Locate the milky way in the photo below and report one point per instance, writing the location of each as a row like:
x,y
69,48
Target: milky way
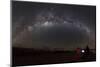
x,y
40,25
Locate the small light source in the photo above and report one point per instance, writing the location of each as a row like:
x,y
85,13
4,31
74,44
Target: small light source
x,y
83,51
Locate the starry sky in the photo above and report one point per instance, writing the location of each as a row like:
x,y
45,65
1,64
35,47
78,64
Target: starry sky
x,y
48,25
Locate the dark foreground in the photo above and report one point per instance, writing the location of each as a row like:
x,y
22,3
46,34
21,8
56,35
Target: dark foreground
x,y
23,56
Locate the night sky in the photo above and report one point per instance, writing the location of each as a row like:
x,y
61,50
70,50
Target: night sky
x,y
45,25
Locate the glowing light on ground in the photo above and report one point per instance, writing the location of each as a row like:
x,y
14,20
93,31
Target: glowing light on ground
x,y
83,51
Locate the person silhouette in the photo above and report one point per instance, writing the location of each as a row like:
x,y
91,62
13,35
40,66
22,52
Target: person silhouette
x,y
87,50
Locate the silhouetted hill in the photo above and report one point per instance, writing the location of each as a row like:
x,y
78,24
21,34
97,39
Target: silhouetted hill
x,y
29,51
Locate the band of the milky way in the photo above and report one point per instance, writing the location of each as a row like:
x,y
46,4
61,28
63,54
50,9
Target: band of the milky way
x,y
39,25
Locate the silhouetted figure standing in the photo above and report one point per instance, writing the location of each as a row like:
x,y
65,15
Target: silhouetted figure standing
x,y
87,50
86,55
